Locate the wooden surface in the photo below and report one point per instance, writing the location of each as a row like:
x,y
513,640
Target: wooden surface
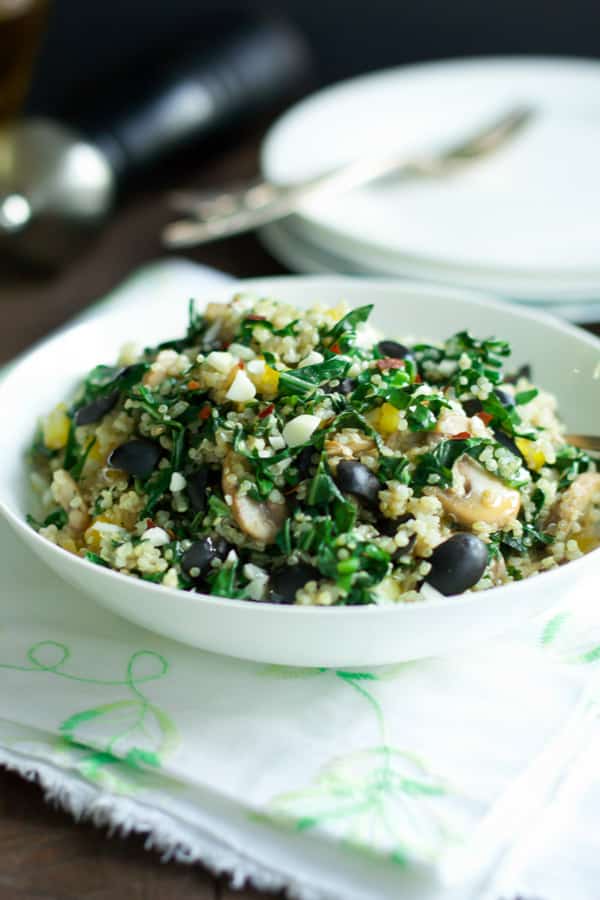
x,y
43,853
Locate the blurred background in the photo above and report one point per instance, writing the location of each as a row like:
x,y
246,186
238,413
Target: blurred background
x,y
85,41
123,76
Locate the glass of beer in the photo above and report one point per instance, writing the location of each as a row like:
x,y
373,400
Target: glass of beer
x,y
21,27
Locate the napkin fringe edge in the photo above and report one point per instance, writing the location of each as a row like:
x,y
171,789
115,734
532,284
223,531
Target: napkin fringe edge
x,y
172,840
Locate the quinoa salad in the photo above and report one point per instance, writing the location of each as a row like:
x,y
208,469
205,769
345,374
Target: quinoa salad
x,y
293,456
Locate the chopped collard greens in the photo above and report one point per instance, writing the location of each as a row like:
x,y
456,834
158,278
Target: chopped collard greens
x,y
293,456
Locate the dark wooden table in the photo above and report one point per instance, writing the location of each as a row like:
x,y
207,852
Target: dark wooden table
x,y
43,854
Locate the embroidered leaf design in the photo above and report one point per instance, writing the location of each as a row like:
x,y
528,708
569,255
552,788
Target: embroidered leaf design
x,y
133,730
573,636
379,799
552,628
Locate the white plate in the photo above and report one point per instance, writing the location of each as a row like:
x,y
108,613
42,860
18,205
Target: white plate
x,y
530,210
564,360
303,256
527,288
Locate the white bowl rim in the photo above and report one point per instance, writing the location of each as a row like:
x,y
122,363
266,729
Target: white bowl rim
x,y
293,611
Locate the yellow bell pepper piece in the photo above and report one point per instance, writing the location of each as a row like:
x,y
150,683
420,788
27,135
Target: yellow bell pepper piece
x,y
267,382
387,419
534,458
55,428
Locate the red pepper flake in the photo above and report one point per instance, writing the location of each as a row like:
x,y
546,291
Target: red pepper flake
x,y
266,411
461,436
240,364
485,417
390,363
150,523
418,379
255,318
193,385
204,413
335,348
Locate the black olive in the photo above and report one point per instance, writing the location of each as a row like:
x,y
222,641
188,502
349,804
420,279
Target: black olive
x,y
138,457
196,398
345,386
393,349
286,581
505,398
356,479
303,462
196,489
389,527
457,564
508,442
201,554
522,372
472,407
95,410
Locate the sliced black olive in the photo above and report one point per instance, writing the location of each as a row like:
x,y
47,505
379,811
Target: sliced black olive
x,y
196,398
200,555
457,564
389,527
355,478
345,386
522,372
508,442
138,457
303,462
472,407
286,581
505,398
94,411
196,489
393,349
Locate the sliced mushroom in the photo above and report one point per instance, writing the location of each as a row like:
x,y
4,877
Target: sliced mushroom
x,y
478,496
260,520
575,511
348,444
451,422
67,494
215,311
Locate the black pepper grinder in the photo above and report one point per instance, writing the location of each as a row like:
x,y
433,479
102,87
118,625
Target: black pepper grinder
x,y
58,185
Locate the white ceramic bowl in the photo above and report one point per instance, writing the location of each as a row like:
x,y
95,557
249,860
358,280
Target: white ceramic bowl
x,y
564,360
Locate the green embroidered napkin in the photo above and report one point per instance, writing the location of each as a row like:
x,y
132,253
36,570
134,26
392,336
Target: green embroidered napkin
x,y
421,780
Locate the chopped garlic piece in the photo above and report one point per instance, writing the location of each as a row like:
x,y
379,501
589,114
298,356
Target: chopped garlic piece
x,y
158,537
256,366
241,389
313,359
298,430
221,361
241,352
177,482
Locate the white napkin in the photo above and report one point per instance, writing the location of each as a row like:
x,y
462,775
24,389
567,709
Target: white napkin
x,y
435,780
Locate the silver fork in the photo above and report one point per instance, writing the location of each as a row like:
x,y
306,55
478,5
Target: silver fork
x,y
224,213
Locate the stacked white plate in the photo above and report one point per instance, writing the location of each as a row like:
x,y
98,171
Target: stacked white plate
x,y
523,223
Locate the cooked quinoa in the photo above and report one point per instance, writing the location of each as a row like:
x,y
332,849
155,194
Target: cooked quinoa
x,y
291,456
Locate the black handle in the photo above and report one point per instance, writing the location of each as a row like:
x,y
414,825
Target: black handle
x,y
254,68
